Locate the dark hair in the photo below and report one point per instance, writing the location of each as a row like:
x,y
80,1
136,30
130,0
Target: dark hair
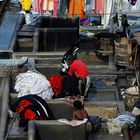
x,y
77,104
71,58
22,68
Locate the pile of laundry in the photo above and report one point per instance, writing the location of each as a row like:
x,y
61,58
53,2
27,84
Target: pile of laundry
x,y
115,125
33,82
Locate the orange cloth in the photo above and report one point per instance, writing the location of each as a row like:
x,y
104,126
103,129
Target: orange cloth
x,y
76,7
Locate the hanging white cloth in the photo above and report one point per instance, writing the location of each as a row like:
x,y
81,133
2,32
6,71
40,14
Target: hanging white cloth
x,y
108,9
119,5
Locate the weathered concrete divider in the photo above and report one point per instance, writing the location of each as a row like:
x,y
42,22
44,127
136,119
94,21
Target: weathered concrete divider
x,y
52,130
61,110
4,100
52,61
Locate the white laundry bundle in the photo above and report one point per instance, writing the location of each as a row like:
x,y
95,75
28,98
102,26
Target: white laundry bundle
x,y
33,82
115,125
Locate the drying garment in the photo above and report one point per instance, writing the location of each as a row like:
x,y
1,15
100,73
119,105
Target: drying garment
x,y
107,7
48,5
119,4
38,6
26,4
32,82
87,1
89,7
63,7
76,8
99,6
55,8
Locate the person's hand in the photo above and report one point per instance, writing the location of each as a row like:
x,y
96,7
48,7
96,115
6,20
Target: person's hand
x,y
63,69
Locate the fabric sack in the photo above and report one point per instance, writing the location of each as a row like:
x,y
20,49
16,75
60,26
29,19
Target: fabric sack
x,y
32,107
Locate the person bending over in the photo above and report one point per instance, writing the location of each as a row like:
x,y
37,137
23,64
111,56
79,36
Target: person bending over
x,y
79,112
78,68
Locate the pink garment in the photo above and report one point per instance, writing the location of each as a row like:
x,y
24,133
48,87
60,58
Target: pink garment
x,y
56,6
38,6
34,6
99,6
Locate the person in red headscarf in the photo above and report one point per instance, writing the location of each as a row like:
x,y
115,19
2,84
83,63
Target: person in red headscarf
x,y
78,68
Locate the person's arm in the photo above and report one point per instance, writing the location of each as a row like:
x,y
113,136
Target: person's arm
x,y
85,114
71,70
74,116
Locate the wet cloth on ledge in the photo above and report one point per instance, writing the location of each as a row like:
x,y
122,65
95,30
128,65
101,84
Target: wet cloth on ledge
x,y
33,82
73,122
